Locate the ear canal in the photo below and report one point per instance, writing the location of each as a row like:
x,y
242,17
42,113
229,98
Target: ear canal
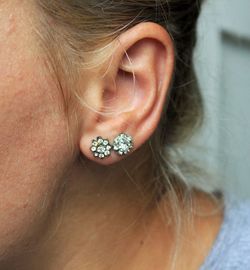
x,y
120,98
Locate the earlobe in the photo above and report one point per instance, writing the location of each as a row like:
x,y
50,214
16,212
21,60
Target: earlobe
x,y
142,68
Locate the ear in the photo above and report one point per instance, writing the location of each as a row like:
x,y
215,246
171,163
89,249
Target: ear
x,y
134,88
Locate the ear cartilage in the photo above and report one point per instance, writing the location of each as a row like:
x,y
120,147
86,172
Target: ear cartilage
x,y
100,147
123,144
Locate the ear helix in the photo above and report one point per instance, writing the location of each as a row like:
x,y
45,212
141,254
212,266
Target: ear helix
x,y
122,145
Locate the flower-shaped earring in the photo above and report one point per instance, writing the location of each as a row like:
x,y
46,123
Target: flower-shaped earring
x,y
100,147
123,143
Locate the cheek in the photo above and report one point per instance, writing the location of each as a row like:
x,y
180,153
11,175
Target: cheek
x,y
34,152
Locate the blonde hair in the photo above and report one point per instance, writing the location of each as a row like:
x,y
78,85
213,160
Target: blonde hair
x,y
73,30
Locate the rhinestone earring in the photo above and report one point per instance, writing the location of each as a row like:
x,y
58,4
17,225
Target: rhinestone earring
x,y
123,143
100,147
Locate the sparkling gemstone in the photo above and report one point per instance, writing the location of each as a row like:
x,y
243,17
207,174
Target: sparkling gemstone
x,y
124,147
101,149
100,141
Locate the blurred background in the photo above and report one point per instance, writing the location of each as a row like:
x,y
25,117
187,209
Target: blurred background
x,y
222,62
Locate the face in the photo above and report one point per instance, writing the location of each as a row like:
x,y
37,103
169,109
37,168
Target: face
x,y
34,151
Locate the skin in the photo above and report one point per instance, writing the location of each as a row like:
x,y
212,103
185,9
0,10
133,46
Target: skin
x,y
56,213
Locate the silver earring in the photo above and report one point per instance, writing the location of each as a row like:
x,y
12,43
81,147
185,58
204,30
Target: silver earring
x,y
123,144
100,147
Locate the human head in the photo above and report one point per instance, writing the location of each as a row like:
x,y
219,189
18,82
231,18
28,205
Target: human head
x,y
55,58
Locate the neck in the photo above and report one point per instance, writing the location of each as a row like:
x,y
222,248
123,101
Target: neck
x,y
104,222
99,214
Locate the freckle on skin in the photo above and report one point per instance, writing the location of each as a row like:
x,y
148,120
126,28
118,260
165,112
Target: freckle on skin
x,y
25,205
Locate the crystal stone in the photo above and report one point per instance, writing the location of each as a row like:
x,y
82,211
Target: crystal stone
x,y
101,149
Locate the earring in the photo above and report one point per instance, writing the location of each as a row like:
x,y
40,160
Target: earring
x,y
123,143
101,147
